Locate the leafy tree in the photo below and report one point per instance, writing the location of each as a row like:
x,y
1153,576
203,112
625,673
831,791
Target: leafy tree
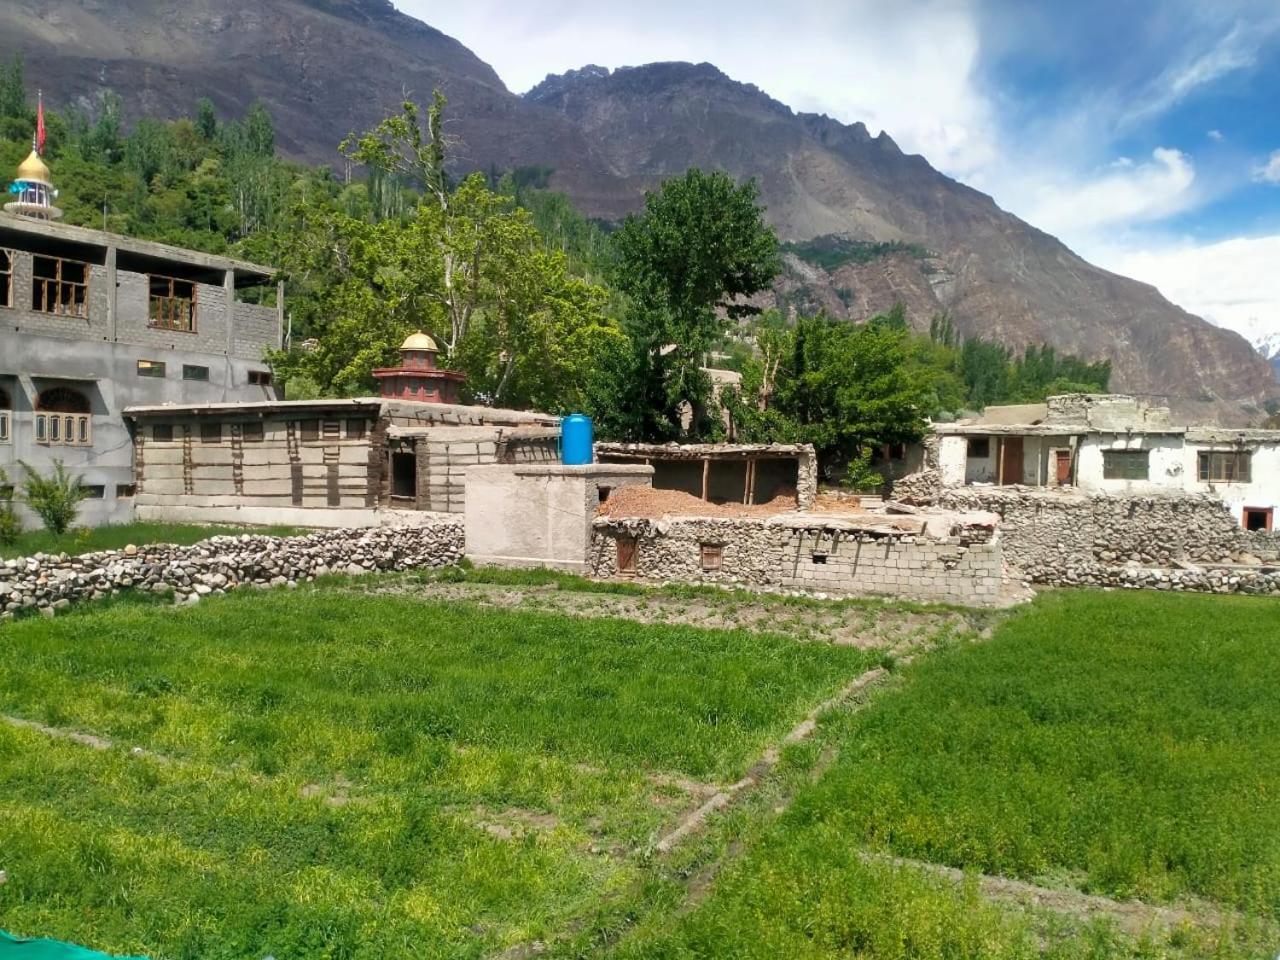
x,y
206,120
685,266
845,388
10,525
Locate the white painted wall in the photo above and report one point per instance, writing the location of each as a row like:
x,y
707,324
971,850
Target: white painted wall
x,y
951,460
1262,491
1166,463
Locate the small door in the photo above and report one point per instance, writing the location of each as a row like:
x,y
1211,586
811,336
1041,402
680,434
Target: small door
x,y
1011,461
626,554
404,476
1062,467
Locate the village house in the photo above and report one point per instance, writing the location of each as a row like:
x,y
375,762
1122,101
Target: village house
x,y
1113,444
92,322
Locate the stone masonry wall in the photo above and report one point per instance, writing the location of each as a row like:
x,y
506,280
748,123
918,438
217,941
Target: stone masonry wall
x,y
46,583
759,553
1065,538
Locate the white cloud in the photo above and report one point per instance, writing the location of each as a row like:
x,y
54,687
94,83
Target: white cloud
x,y
1215,135
1233,283
1269,172
1122,193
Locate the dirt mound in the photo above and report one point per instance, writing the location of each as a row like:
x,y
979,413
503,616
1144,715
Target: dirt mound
x,y
638,501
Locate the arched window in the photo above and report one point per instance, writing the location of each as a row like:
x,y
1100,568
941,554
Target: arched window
x,y
62,417
6,415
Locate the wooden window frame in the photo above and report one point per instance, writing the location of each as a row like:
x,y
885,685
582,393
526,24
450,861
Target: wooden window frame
x,y
65,302
1242,469
6,278
159,431
1112,458
260,378
150,365
126,491
169,311
63,428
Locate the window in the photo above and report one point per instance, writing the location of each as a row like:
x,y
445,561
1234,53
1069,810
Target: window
x,y
355,429
6,278
63,417
1258,518
712,556
1228,466
979,448
331,429
171,304
309,430
59,286
210,433
192,372
126,491
95,491
260,378
151,368
1125,464
162,433
6,415
252,432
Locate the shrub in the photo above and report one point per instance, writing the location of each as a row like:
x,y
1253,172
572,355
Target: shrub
x,y
10,525
56,498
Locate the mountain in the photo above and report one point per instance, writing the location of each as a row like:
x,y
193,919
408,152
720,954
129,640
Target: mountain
x,y
899,229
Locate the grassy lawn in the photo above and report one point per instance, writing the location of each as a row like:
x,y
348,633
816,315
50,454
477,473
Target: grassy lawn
x,y
1127,744
90,539
329,772
346,775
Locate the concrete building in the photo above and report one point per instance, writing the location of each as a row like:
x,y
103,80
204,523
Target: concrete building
x,y
1113,444
92,322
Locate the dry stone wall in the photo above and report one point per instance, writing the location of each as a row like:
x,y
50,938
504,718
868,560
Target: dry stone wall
x,y
47,583
1066,538
761,553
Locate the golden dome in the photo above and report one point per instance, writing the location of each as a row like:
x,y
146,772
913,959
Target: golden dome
x,y
419,341
33,169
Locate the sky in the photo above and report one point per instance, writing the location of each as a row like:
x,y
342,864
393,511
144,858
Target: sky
x,y
1143,133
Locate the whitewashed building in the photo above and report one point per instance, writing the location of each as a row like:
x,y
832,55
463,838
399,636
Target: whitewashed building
x,y
1113,444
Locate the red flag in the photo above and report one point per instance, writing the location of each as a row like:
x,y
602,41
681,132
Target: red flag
x,y
40,135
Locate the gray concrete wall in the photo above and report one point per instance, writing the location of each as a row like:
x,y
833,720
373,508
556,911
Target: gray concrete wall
x,y
539,514
98,354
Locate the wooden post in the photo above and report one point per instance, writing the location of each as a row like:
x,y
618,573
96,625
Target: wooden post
x,y
1000,462
746,484
706,478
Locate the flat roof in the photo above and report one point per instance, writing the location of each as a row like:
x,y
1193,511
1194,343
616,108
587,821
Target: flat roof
x,y
254,407
703,451
100,239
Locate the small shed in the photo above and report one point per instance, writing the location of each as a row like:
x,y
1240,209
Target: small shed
x,y
725,472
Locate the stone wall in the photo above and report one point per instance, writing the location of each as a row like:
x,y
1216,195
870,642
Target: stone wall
x,y
445,454
768,553
46,583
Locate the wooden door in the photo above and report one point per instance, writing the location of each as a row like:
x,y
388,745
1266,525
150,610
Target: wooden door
x,y
1011,461
1062,467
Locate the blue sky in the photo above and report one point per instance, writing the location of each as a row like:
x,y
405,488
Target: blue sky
x,y
1146,135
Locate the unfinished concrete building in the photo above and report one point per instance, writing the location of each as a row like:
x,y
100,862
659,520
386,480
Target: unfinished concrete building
x,y
92,322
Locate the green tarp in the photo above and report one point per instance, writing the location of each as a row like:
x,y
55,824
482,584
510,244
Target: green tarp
x,y
19,948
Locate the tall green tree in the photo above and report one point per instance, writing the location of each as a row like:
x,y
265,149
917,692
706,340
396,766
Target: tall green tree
x,y
685,265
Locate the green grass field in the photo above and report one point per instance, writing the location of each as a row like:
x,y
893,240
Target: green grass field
x,y
90,539
331,773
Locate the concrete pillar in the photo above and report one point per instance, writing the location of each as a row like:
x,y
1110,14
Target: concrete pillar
x,y
112,290
229,287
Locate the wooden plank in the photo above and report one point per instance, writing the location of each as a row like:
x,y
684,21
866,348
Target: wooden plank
x,y
706,478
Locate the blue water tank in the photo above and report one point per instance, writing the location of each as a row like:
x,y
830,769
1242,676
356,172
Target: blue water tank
x,y
576,440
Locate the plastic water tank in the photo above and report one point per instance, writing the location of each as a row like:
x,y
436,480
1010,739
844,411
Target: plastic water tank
x,y
576,439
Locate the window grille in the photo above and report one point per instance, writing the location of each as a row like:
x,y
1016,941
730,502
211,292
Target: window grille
x,y
63,417
1227,466
1125,464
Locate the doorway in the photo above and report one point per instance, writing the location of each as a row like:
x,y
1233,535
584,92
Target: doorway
x,y
1062,468
1258,518
1010,461
404,477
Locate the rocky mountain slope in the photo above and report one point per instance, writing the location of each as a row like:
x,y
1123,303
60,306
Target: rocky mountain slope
x,y
327,67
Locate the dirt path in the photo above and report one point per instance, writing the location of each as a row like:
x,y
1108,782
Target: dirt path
x,y
867,626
